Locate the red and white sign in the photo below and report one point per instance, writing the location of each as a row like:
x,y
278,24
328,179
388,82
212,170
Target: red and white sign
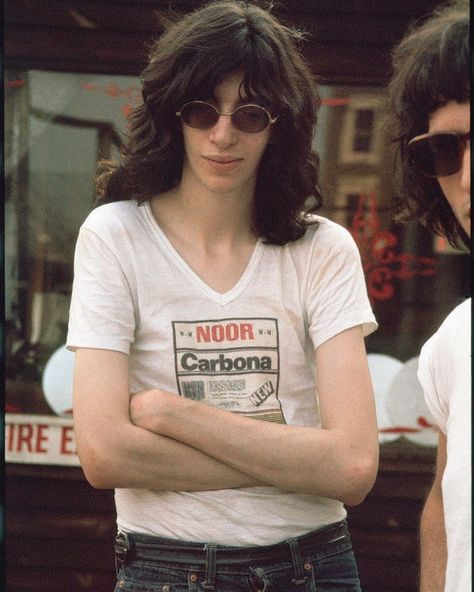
x,y
40,440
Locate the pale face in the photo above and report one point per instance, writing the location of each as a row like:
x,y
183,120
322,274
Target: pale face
x,y
223,160
456,117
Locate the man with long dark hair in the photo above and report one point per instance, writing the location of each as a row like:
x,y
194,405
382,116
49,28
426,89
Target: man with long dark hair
x,y
430,112
221,382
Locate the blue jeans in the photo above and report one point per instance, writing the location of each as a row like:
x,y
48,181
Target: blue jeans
x,y
330,567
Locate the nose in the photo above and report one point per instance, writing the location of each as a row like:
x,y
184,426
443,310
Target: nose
x,y
223,133
466,168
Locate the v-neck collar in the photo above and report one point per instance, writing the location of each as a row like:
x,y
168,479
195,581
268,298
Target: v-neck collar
x,y
221,298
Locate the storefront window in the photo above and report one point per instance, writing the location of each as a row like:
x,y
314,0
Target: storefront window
x,y
413,280
57,127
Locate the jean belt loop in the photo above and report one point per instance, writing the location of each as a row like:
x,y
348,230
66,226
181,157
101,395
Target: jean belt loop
x,y
123,545
211,552
299,578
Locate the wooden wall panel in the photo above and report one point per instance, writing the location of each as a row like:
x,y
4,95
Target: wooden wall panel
x,y
385,526
347,42
64,580
74,50
60,531
388,575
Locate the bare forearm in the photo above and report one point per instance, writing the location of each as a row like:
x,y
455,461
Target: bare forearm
x,y
136,458
433,552
433,545
115,453
303,459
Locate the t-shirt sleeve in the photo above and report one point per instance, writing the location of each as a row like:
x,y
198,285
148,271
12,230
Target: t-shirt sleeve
x,y
445,362
428,364
102,312
337,297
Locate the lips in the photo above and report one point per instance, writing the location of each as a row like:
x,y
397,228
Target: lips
x,y
222,159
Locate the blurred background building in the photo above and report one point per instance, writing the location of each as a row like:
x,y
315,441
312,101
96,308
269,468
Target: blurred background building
x,y
71,78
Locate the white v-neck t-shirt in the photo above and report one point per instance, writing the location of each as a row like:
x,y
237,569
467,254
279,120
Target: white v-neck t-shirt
x,y
249,350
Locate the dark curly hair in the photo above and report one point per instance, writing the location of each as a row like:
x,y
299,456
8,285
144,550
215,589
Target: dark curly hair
x,y
431,68
192,57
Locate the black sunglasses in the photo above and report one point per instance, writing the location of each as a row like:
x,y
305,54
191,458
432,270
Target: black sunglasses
x,y
438,154
246,118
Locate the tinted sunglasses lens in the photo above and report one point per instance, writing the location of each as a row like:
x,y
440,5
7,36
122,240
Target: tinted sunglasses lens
x,y
250,119
438,155
199,115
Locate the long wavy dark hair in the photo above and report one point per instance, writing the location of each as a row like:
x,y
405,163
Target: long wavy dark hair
x,y
187,62
431,68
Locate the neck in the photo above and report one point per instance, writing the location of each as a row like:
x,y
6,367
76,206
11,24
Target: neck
x,y
206,218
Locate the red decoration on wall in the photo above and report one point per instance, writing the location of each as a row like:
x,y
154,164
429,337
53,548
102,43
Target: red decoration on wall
x,y
336,101
131,93
382,264
14,83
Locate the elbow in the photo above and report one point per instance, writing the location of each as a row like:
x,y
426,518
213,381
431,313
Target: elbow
x,y
97,467
359,479
97,479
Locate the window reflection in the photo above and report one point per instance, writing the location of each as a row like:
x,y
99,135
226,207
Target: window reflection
x,y
58,125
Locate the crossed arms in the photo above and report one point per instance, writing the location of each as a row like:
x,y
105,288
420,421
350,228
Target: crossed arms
x,y
157,440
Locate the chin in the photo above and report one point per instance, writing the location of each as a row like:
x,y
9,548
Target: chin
x,y
226,188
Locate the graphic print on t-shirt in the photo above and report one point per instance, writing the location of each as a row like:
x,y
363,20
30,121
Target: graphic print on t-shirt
x,y
233,364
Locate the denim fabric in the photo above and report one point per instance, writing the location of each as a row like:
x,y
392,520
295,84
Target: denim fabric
x,y
330,570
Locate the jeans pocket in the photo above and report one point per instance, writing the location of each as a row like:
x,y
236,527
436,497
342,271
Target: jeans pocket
x,y
152,579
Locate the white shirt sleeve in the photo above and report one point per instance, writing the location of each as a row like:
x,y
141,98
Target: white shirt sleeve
x,y
427,375
336,297
442,367
102,313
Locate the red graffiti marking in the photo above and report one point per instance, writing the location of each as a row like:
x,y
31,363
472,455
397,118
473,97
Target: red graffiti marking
x,y
15,83
382,264
336,101
132,94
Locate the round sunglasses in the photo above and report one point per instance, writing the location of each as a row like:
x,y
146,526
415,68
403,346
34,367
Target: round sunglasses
x,y
246,118
438,154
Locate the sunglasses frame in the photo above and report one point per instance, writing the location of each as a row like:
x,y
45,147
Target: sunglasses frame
x,y
271,120
462,140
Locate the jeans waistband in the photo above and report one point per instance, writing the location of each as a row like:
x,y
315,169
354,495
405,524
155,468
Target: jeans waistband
x,y
130,546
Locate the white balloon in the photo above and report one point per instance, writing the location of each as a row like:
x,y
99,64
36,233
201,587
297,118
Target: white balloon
x,y
382,369
407,407
57,381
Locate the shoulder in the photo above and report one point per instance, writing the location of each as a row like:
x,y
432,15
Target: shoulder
x,y
459,317
456,324
110,213
452,337
444,363
326,251
114,218
326,248
326,233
